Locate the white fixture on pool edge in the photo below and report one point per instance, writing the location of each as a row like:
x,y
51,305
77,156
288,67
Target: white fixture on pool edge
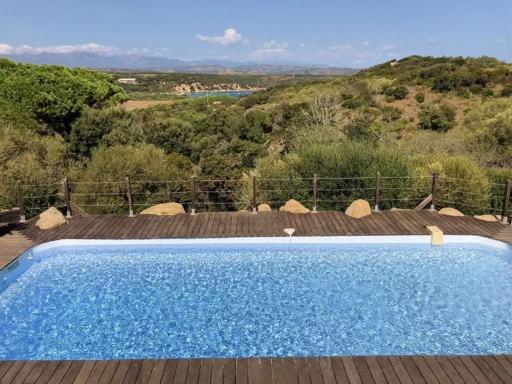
x,y
289,231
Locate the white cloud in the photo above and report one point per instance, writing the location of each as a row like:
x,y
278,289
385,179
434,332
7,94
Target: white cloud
x,y
387,47
365,43
432,40
7,49
230,37
272,44
270,50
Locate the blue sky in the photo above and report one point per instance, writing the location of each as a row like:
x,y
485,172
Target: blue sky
x,y
354,33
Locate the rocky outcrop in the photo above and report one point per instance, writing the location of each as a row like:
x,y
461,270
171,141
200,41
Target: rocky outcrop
x,y
166,209
264,208
51,218
293,206
358,208
486,217
450,212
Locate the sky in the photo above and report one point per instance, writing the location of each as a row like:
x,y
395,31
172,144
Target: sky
x,y
356,33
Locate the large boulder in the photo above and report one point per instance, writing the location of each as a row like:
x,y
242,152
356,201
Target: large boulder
x,y
293,206
264,208
486,217
51,218
166,209
450,212
358,208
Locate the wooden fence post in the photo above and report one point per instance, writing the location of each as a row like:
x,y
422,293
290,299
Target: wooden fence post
x,y
434,192
21,204
129,196
67,198
377,192
254,192
506,202
193,190
315,193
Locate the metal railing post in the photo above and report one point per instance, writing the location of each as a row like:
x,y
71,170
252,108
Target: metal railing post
x,y
254,191
377,192
21,204
506,202
193,191
129,196
434,192
67,198
315,193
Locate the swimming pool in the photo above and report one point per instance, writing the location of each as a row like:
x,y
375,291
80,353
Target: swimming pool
x,y
257,297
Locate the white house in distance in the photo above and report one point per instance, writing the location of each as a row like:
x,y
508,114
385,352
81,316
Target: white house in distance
x,y
127,80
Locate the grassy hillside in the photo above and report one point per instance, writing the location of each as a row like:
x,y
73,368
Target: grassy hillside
x,y
405,119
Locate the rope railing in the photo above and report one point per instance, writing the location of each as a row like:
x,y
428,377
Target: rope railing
x,y
317,192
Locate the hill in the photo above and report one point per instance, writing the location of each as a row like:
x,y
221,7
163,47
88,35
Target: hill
x,y
404,118
151,63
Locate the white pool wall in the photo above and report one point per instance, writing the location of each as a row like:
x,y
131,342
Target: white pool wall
x,y
394,239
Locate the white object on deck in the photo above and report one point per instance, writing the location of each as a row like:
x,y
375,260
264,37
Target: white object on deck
x,y
289,231
437,236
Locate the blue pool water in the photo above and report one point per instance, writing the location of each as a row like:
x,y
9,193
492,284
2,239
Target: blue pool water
x,y
238,300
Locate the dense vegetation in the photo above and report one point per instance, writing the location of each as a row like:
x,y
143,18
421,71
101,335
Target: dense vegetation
x,y
405,119
154,85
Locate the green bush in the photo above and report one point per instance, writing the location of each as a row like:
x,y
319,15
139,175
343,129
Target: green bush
x,y
36,162
347,172
437,118
420,97
398,92
93,125
487,133
462,183
499,178
100,187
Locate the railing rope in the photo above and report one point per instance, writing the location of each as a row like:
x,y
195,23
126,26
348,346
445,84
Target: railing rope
x,y
506,202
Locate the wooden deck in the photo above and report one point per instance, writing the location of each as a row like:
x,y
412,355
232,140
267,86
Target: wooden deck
x,y
323,370
328,370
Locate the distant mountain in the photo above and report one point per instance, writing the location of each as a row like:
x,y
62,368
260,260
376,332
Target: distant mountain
x,y
139,62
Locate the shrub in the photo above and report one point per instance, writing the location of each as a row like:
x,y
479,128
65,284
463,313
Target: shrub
x,y
462,183
347,172
499,178
37,162
506,91
102,181
420,97
89,130
398,92
488,132
437,118
390,114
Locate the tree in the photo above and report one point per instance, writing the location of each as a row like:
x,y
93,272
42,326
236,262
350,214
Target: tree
x,y
55,95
